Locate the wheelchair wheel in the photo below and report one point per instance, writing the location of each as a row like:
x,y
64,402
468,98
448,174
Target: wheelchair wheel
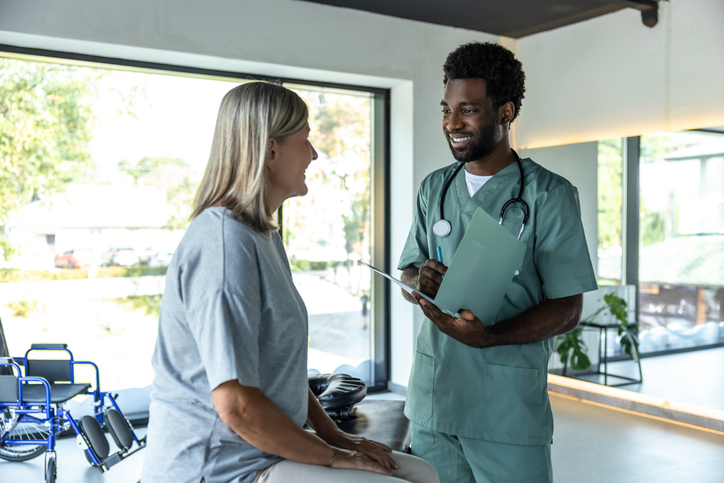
x,y
51,470
17,429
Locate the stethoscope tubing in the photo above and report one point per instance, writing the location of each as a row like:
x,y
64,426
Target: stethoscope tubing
x,y
442,227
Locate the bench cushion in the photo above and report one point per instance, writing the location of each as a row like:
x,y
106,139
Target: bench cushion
x,y
379,420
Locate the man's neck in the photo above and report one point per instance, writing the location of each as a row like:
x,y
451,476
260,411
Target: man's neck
x,y
491,164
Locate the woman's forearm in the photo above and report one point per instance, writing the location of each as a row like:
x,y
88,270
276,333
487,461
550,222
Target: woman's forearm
x,y
262,424
319,420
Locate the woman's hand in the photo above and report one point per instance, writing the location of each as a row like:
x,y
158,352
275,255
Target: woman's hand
x,y
356,460
377,452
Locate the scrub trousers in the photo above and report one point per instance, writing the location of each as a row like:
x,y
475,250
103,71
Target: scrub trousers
x,y
468,460
411,469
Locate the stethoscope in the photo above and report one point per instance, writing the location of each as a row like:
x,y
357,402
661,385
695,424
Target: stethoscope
x,y
442,227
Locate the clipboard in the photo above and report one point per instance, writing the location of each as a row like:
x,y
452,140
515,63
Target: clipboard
x,y
481,269
406,287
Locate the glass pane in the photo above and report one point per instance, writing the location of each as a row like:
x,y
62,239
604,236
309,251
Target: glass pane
x,y
610,211
681,264
327,231
103,168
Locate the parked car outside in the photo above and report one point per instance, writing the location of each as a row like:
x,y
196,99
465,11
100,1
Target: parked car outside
x,y
74,258
160,259
144,256
121,256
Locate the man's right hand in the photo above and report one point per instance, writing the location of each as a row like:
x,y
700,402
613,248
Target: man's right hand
x,y
426,280
356,460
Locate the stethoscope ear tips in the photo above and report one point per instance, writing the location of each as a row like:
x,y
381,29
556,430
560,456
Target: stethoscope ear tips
x,y
442,228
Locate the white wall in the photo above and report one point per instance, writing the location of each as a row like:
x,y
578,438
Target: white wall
x,y
279,38
612,77
578,163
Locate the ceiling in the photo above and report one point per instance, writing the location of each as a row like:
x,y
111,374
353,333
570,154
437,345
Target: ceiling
x,y
510,18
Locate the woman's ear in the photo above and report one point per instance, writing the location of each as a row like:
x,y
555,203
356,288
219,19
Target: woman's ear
x,y
272,153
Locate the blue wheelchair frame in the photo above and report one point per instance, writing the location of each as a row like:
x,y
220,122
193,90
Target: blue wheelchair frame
x,y
48,413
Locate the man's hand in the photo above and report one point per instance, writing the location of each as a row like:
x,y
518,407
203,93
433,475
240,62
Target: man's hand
x,y
468,329
426,280
550,318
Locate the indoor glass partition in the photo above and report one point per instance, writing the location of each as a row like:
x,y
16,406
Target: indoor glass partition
x,y
610,212
681,262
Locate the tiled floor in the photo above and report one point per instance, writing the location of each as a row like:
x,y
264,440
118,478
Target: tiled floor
x,y
692,377
591,444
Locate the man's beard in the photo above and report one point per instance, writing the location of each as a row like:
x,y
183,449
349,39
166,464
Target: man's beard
x,y
481,145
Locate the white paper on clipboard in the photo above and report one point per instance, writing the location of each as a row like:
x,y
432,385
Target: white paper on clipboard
x,y
407,288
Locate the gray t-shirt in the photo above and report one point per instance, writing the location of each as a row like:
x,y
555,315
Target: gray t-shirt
x,y
230,311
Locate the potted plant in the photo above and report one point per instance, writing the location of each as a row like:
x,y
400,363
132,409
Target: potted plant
x,y
572,349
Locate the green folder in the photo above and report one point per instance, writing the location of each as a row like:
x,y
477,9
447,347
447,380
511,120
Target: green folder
x,y
481,269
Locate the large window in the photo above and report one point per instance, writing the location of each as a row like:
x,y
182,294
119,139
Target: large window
x,y
99,168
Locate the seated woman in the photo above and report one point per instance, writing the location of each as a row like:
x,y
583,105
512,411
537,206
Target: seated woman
x,y
230,394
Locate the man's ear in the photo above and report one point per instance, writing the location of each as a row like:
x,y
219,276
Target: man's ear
x,y
506,113
272,153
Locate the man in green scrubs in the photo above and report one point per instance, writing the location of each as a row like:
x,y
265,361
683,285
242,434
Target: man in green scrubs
x,y
477,395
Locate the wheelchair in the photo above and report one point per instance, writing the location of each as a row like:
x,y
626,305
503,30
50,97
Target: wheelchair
x,y
32,413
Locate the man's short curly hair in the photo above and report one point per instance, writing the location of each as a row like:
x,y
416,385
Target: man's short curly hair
x,y
497,66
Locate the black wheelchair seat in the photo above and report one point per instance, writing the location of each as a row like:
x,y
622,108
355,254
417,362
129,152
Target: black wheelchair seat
x,y
59,393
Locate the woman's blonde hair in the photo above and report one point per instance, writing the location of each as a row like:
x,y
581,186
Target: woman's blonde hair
x,y
236,175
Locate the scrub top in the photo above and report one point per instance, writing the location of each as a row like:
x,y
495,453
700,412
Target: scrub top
x,y
498,393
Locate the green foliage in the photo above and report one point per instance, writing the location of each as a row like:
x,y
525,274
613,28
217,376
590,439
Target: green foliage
x,y
22,307
628,333
174,176
150,304
7,275
306,265
610,193
45,128
571,348
652,226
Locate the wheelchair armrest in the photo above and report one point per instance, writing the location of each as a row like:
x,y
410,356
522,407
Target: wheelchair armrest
x,y
98,377
45,345
45,383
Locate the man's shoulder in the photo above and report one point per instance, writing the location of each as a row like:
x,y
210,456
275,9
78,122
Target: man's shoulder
x,y
440,175
544,179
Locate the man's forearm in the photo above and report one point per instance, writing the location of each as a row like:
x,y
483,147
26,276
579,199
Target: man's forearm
x,y
549,319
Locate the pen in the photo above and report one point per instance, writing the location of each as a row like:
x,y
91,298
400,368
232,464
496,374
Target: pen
x,y
439,258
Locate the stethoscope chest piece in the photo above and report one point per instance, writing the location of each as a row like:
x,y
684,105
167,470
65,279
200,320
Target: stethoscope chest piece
x,y
442,228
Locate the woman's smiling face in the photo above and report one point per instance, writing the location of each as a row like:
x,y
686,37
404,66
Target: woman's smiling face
x,y
290,160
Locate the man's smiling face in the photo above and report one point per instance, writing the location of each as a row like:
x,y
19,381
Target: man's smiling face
x,y
469,120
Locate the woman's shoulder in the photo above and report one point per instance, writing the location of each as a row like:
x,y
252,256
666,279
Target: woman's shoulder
x,y
217,220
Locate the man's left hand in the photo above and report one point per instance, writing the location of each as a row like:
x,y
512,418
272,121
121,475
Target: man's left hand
x,y
468,329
